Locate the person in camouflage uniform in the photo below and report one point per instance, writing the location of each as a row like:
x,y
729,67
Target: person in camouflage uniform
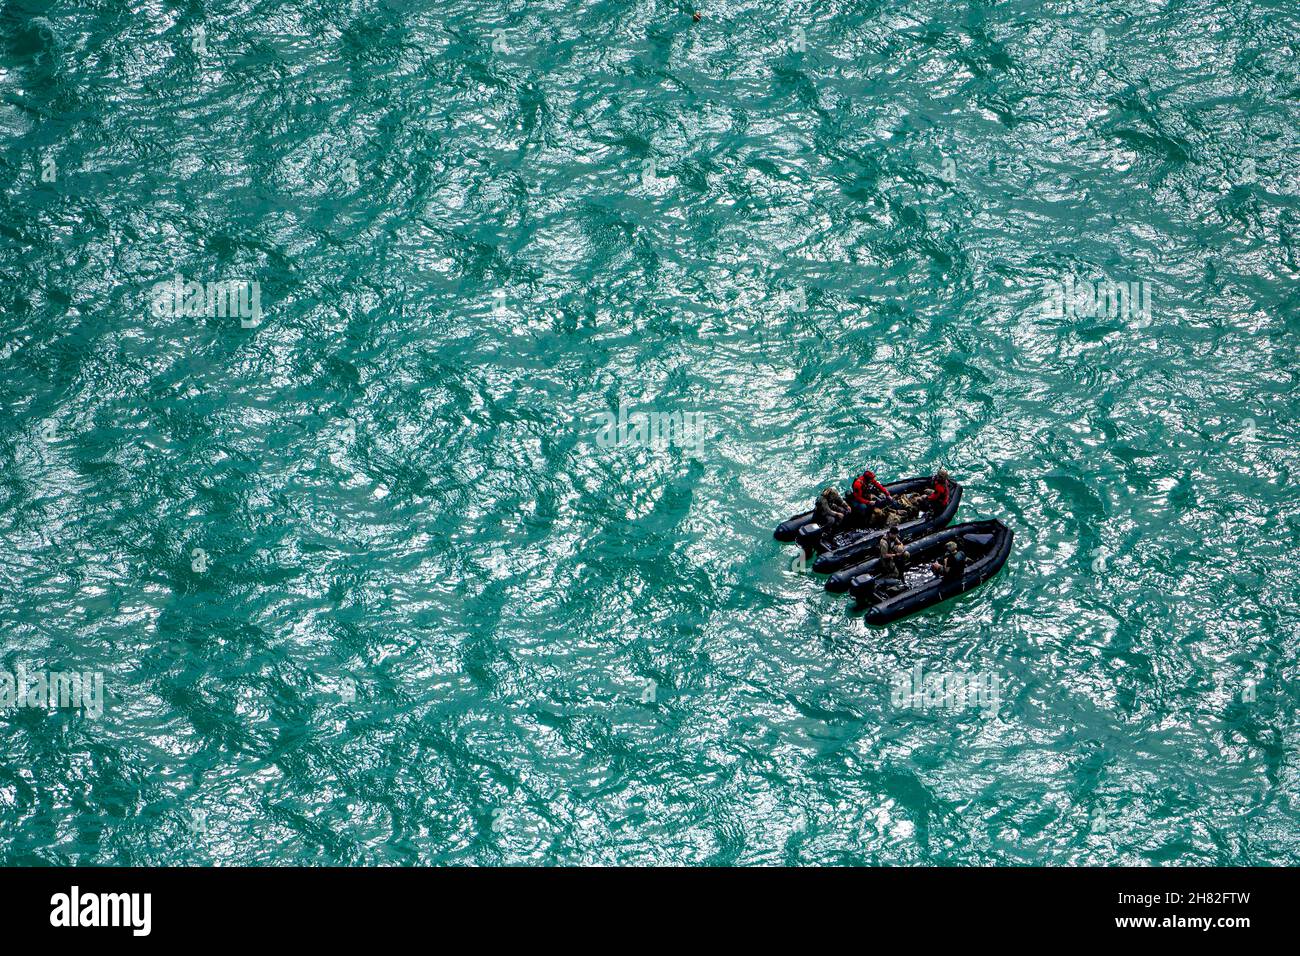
x,y
830,509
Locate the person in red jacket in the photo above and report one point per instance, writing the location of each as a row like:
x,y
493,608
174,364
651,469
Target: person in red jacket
x,y
869,498
938,498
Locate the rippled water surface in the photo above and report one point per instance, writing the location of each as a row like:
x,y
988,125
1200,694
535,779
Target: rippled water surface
x,y
365,587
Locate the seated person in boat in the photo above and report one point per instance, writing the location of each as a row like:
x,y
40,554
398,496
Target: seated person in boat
x,y
940,494
869,499
893,554
830,509
952,565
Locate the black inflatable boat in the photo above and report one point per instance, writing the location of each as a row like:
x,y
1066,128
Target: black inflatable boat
x,y
840,548
986,545
848,563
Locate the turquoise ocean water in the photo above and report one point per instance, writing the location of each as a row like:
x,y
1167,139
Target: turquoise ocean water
x,y
364,584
